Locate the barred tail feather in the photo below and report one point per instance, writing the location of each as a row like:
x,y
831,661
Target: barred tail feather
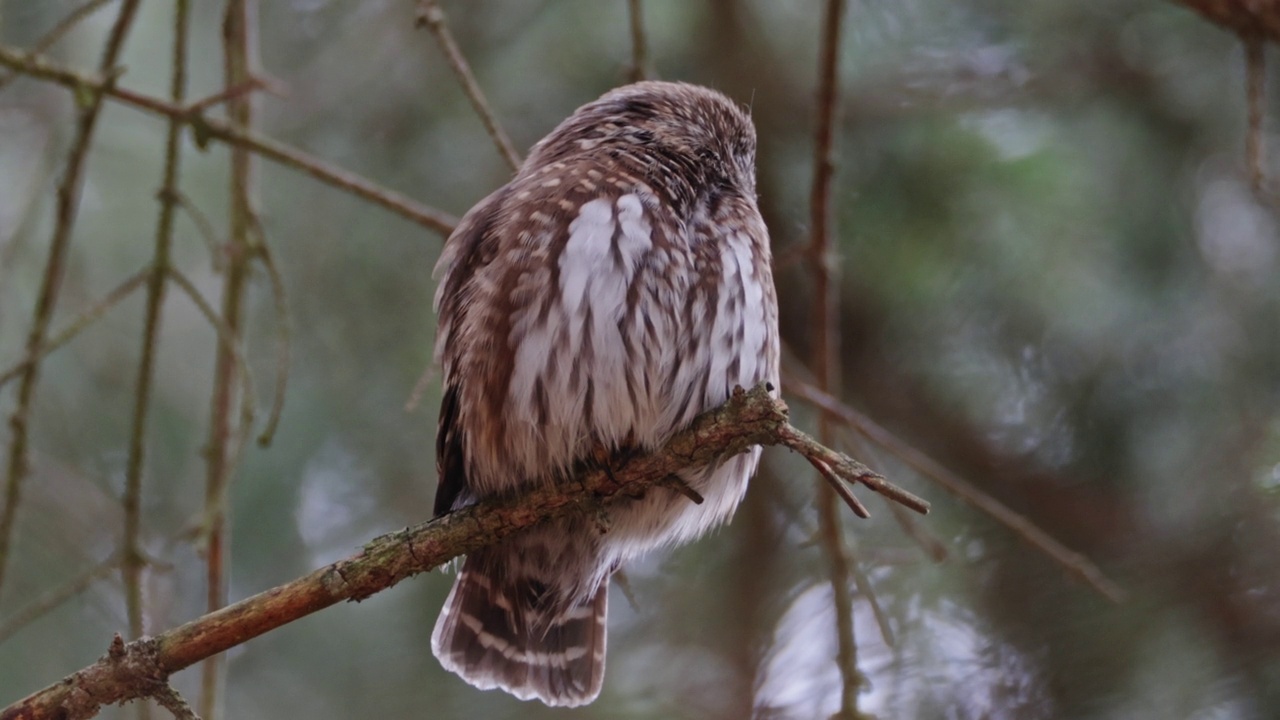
x,y
492,636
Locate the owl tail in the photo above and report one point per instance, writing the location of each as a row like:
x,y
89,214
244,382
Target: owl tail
x,y
500,632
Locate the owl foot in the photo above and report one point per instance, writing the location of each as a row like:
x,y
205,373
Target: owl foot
x,y
674,482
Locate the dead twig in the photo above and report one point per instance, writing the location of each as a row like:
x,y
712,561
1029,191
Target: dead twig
x,y
431,16
206,129
87,317
55,33
68,203
54,598
1073,562
133,563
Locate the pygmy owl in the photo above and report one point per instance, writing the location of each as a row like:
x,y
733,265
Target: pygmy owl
x,y
617,287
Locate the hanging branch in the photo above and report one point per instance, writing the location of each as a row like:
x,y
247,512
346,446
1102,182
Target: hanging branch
x,y
64,221
138,668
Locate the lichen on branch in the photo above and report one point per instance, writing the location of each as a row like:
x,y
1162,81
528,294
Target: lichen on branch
x,y
749,418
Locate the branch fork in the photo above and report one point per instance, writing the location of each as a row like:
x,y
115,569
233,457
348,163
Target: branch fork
x,y
132,670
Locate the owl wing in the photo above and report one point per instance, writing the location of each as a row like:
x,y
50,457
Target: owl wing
x,y
470,247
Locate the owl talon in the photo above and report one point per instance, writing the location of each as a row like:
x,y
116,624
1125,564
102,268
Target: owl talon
x,y
679,485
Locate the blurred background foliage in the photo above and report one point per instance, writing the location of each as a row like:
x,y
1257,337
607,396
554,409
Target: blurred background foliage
x,y
1055,280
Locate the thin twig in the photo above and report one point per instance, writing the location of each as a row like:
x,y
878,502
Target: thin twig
x,y
825,362
86,318
64,221
220,328
284,333
54,598
204,229
639,43
1256,78
748,419
227,340
65,25
863,583
170,700
238,37
1073,562
207,128
840,488
131,568
676,483
432,16
253,84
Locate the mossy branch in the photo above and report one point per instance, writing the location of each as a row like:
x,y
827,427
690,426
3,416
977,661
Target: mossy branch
x,y
141,668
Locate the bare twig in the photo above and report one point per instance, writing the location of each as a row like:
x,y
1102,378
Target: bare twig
x,y
65,25
131,671
284,333
86,318
674,482
207,128
825,363
238,37
133,563
639,69
838,486
204,229
57,596
850,470
863,584
225,337
170,700
253,84
432,16
64,221
1256,78
1073,562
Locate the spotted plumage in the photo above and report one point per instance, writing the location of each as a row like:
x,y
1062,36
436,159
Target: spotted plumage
x,y
619,285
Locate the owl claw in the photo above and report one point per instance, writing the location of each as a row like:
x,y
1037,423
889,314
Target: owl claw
x,y
675,482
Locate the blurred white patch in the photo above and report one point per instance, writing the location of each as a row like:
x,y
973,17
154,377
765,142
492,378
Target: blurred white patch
x,y
1236,237
1015,134
800,674
332,497
966,669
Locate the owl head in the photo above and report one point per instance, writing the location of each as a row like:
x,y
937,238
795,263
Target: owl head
x,y
668,130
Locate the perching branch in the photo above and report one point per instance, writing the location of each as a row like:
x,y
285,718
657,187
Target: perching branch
x,y
138,669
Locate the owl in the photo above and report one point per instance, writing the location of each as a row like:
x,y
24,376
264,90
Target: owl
x,y
589,309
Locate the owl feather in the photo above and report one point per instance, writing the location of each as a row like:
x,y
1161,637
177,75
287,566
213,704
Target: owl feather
x,y
617,287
